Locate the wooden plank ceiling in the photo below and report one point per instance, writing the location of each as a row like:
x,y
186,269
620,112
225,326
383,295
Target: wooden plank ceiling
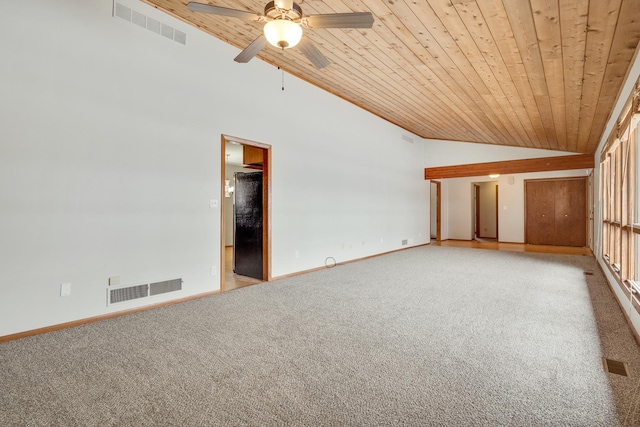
x,y
526,73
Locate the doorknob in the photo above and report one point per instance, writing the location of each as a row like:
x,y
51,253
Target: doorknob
x,y
542,216
565,215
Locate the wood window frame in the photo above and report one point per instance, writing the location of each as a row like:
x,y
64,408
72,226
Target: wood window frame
x,y
620,219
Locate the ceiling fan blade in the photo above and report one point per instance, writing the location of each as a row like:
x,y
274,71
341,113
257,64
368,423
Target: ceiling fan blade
x,y
252,50
339,20
223,11
312,53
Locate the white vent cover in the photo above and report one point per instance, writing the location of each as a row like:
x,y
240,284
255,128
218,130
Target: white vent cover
x,y
166,286
130,15
126,294
142,291
407,138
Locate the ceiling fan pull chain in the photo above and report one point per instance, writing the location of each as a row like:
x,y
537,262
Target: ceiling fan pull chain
x,y
279,68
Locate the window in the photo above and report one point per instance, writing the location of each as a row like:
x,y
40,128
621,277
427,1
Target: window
x,y
619,179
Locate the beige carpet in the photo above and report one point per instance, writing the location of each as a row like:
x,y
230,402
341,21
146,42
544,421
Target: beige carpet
x,y
426,336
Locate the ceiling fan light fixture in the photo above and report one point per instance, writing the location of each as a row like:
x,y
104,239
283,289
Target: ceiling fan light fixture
x,y
283,33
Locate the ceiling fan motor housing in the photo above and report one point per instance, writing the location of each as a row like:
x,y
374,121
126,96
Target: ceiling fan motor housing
x,y
272,11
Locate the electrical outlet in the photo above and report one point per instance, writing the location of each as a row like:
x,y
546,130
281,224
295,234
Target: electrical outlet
x,y
297,254
213,270
65,289
213,203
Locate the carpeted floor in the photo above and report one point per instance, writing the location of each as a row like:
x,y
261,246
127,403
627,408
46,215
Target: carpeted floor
x,y
426,336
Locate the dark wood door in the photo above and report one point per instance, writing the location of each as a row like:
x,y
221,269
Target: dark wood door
x,y
571,213
556,212
247,232
540,212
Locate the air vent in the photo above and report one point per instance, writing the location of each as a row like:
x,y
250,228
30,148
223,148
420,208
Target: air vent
x,y
143,291
616,367
166,286
407,138
122,12
150,24
126,294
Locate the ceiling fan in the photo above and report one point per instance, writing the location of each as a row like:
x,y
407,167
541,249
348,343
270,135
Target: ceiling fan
x,y
283,27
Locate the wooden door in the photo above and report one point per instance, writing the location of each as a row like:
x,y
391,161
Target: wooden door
x,y
540,213
570,209
556,212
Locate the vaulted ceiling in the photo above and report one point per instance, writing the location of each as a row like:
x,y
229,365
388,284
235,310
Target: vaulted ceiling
x,y
527,73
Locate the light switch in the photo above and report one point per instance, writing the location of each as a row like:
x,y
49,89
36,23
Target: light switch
x,y
65,289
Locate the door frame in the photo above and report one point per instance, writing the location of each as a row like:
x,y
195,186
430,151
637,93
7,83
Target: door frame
x,y
476,211
438,210
266,205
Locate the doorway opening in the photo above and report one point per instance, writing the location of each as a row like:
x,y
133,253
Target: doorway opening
x,y
245,238
485,211
435,206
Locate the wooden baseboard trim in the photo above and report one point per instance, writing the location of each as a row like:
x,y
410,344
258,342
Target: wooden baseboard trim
x,y
87,320
311,270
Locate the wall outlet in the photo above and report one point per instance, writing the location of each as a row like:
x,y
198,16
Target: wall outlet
x,y
213,203
65,289
214,270
297,254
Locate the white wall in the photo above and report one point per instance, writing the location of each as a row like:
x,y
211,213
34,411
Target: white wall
x,y
627,88
457,194
447,153
110,155
510,210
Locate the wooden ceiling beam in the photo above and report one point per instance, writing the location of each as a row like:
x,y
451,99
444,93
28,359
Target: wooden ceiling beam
x,y
543,164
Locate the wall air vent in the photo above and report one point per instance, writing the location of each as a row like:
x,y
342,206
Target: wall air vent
x,y
143,291
137,18
407,138
166,286
126,294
